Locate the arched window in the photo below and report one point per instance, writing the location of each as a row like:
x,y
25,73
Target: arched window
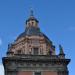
x,y
32,23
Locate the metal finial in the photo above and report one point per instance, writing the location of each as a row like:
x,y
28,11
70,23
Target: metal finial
x,y
31,12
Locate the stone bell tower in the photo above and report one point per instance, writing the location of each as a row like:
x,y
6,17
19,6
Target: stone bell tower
x,y
32,53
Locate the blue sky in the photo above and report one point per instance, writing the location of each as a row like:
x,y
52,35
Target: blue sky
x,y
56,20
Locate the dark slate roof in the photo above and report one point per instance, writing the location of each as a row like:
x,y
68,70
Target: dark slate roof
x,y
32,18
33,31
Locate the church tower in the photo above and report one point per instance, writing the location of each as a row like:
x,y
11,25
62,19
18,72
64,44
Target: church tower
x,y
33,53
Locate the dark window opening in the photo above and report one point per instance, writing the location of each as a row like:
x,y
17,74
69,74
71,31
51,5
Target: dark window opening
x,y
37,73
19,51
35,51
32,23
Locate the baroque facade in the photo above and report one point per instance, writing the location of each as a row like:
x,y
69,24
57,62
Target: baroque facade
x,y
32,53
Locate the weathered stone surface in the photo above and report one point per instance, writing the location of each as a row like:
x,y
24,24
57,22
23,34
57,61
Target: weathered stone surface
x,y
32,53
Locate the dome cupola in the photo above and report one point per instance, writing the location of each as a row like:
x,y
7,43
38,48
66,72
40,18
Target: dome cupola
x,y
32,21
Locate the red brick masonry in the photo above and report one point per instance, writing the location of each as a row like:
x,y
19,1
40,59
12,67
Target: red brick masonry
x,y
25,73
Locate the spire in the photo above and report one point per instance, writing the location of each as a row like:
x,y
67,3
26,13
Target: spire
x,y
61,54
31,17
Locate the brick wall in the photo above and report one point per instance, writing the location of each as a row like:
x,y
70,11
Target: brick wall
x,y
49,73
43,73
24,73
